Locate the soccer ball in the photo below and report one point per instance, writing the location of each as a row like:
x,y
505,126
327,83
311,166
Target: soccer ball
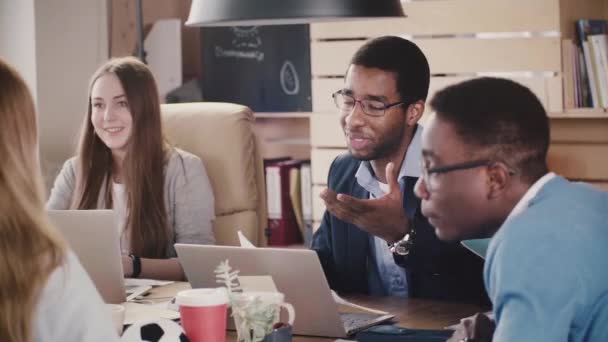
x,y
158,330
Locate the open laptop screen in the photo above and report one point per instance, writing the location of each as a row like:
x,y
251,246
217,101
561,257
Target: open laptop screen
x,y
93,236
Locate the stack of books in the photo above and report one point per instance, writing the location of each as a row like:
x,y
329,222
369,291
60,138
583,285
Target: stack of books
x,y
585,65
288,190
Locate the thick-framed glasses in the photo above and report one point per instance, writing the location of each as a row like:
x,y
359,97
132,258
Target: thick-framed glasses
x,y
429,175
346,103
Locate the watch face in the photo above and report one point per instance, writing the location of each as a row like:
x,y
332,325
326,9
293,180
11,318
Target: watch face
x,y
403,246
402,250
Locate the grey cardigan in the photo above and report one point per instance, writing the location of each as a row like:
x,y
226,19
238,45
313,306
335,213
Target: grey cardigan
x,y
189,198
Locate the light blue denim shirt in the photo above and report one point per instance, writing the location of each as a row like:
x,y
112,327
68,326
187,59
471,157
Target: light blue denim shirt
x,y
545,269
392,276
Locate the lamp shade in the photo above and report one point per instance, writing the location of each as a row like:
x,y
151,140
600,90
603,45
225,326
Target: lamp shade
x,y
281,12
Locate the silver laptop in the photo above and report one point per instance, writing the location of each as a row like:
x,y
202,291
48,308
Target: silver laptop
x,y
296,272
93,236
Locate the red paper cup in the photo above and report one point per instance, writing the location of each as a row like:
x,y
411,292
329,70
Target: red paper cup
x,y
203,314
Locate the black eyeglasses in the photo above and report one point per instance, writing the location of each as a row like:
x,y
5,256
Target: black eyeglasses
x,y
456,167
430,182
347,103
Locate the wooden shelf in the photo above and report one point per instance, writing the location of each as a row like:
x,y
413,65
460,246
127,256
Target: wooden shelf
x,y
288,115
289,141
581,113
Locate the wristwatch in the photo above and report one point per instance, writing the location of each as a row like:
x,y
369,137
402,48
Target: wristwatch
x,y
403,246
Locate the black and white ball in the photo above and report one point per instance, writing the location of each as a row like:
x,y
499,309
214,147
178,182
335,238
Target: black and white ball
x,y
159,330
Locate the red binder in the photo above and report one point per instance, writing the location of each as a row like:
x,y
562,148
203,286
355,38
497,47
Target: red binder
x,y
282,224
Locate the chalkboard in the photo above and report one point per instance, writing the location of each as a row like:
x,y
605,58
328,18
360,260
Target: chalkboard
x,y
264,67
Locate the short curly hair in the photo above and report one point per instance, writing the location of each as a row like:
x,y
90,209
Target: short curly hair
x,y
501,117
404,58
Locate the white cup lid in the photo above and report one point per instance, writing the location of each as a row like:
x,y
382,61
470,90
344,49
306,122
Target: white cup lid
x,y
202,297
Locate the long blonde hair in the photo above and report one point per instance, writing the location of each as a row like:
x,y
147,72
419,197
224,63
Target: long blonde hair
x,y
29,249
143,163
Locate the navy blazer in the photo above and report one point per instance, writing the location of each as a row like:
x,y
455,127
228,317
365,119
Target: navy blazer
x,y
434,269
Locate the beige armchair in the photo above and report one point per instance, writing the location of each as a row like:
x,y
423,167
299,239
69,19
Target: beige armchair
x,y
221,134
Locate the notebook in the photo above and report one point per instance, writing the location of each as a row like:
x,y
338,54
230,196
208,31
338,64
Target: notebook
x,y
477,246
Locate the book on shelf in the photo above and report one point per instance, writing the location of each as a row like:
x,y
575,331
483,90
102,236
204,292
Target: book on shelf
x,y
583,80
283,228
289,194
578,91
306,192
589,63
569,74
599,48
295,195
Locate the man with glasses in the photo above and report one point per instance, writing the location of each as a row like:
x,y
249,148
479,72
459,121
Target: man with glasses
x,y
485,175
373,238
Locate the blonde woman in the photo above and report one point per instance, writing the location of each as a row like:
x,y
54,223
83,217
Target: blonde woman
x,y
45,294
162,194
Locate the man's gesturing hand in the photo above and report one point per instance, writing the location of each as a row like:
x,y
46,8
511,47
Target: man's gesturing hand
x,y
383,217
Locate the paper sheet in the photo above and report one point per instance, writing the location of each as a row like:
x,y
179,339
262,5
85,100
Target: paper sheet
x,y
133,292
244,241
146,282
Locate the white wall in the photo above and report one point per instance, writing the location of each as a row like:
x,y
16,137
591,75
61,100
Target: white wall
x,y
56,46
71,42
17,38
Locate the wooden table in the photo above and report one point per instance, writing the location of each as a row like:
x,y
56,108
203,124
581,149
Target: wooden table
x,y
409,313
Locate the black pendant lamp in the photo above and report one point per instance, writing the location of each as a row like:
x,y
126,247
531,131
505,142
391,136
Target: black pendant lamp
x,y
282,12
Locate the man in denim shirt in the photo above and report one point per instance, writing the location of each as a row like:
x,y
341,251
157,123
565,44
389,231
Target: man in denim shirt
x,y
485,175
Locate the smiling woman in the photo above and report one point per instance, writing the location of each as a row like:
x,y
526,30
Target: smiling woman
x,y
162,194
110,115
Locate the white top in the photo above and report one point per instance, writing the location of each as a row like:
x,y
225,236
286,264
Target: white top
x,y
119,204
70,308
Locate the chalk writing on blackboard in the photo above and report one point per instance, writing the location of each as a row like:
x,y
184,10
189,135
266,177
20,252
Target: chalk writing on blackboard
x,y
246,44
264,67
290,83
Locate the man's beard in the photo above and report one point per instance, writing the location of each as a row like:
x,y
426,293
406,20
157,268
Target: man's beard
x,y
388,144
